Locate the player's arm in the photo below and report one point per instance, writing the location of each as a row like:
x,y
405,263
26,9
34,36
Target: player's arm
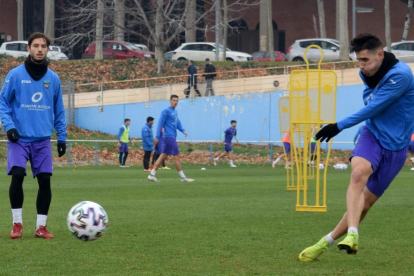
x,y
6,97
357,134
121,130
60,120
235,136
161,123
180,127
145,136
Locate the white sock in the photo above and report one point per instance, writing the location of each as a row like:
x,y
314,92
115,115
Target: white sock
x,y
41,221
181,173
217,158
277,160
231,162
353,229
329,238
17,216
153,172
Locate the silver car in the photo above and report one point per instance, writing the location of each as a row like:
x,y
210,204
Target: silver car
x,y
403,50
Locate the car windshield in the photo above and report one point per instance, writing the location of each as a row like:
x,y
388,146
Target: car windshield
x,y
131,46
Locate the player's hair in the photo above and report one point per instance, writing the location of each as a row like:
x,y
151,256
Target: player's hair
x,y
365,42
36,35
173,96
233,121
127,120
207,59
149,119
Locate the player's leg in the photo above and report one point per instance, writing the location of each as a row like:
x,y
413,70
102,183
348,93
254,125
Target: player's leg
x,y
230,154
218,157
146,161
126,152
197,91
178,167
277,160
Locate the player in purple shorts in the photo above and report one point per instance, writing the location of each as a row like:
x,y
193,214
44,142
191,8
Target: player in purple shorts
x,y
411,148
31,106
123,139
382,147
170,122
228,149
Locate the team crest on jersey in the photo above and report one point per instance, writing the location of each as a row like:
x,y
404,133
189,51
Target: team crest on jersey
x,y
46,83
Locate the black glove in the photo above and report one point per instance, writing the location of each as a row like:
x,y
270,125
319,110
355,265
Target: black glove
x,y
61,147
327,132
13,135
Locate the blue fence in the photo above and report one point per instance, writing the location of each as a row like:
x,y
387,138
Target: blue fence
x,y
207,118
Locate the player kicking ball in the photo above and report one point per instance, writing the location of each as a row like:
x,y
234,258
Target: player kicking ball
x,y
170,122
228,137
381,150
31,106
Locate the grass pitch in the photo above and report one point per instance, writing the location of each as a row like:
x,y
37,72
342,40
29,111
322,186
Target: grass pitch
x,y
237,221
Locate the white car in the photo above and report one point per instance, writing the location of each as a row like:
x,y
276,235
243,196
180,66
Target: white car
x,y
141,47
330,47
19,49
202,50
403,50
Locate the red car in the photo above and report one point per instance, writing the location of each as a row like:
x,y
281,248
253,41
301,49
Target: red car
x,y
119,50
265,56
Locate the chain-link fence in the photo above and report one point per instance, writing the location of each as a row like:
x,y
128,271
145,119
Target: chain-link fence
x,y
68,93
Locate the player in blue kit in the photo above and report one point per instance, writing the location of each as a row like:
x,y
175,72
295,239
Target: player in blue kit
x,y
381,150
31,106
228,149
170,122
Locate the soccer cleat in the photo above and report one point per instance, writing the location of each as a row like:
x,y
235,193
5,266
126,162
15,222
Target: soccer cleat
x,y
147,170
312,253
16,233
233,166
166,168
186,179
350,243
215,162
152,165
412,160
42,232
152,178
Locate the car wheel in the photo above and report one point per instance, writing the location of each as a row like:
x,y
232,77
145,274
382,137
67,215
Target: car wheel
x,y
229,59
181,58
298,59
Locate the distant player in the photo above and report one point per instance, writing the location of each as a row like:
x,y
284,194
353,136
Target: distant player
x,y
411,148
286,146
123,139
31,106
382,147
170,122
157,153
147,142
228,149
313,156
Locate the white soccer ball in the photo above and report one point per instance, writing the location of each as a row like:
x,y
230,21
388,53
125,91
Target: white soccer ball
x,y
87,220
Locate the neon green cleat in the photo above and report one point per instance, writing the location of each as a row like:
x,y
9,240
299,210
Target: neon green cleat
x,y
312,253
350,243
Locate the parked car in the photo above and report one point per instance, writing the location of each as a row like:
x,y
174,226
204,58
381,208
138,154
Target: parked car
x,y
202,50
56,51
403,50
119,50
168,55
141,47
330,47
265,56
19,49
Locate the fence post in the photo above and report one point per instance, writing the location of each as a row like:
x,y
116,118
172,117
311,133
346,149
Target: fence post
x,y
271,152
211,152
69,155
96,154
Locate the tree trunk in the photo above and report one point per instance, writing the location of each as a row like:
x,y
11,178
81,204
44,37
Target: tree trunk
x,y
407,20
270,31
159,36
225,27
343,30
337,19
99,29
190,28
119,18
321,13
20,20
387,24
218,28
159,52
263,25
49,27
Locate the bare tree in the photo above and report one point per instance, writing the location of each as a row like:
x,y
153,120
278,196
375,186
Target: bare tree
x,y
119,18
190,30
217,30
387,24
337,19
343,30
321,13
407,20
270,31
49,24
99,29
225,28
19,19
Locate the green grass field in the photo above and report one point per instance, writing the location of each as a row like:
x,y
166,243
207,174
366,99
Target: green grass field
x,y
229,222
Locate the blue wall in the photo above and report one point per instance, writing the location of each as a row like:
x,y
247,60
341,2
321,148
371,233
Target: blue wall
x,y
207,118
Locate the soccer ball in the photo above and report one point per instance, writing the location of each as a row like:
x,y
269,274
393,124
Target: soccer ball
x,y
87,220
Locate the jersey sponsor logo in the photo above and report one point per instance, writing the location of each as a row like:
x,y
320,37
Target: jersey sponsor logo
x,y
393,82
37,97
6,81
26,81
46,83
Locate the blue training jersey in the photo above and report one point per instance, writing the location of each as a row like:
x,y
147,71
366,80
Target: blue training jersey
x,y
170,122
229,134
389,108
32,107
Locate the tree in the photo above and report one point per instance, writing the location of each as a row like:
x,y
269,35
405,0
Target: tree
x,y
190,30
99,29
321,13
343,30
225,29
270,30
49,16
119,18
407,20
19,19
387,24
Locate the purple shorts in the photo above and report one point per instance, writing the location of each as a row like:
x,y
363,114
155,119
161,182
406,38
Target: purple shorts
x,y
411,147
386,164
286,146
228,147
313,147
169,146
158,146
123,147
38,153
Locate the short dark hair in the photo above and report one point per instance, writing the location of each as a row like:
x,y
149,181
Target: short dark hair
x,y
173,96
37,35
365,42
149,119
233,121
207,59
127,120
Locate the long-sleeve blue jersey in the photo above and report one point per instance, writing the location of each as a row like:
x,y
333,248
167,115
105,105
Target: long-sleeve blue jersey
x,y
32,107
170,122
147,138
389,108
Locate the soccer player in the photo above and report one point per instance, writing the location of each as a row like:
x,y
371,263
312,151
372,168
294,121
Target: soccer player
x,y
382,148
286,145
411,148
123,139
228,137
170,122
357,134
31,106
157,153
147,142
